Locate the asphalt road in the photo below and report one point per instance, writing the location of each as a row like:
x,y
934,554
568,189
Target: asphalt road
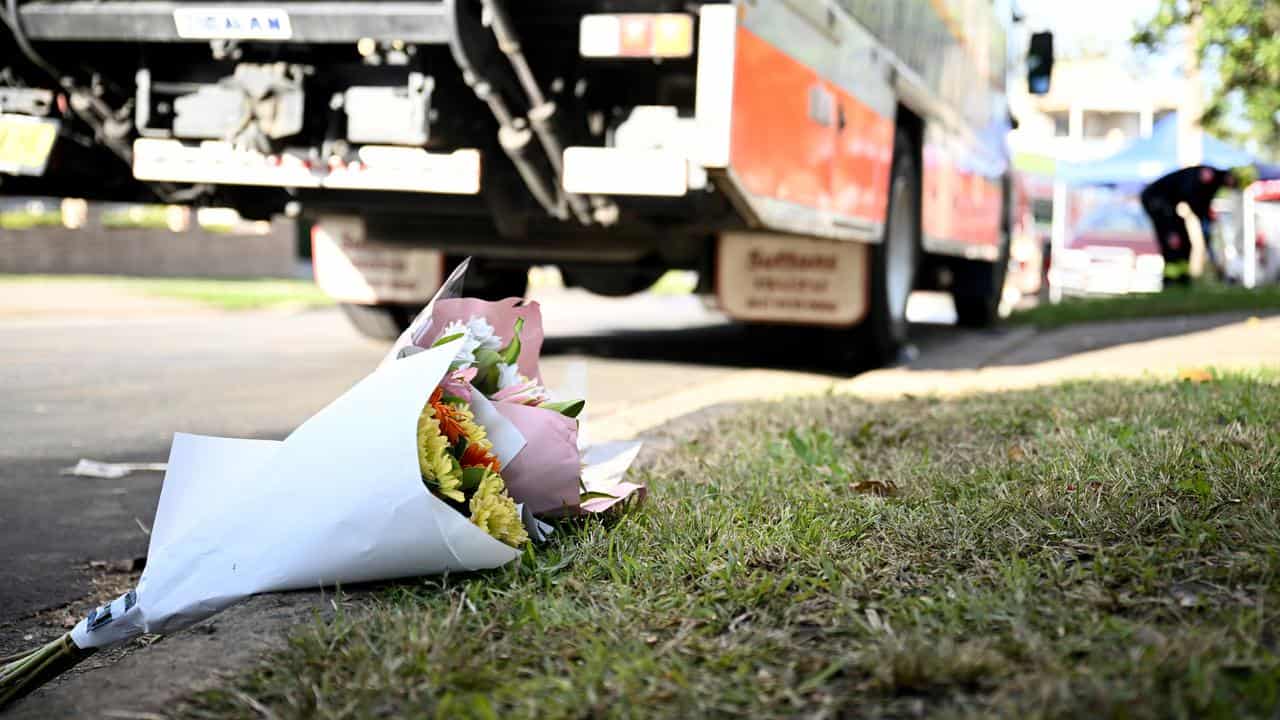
x,y
116,389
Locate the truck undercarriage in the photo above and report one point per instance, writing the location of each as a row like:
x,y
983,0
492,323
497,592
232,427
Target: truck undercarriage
x,y
517,132
427,75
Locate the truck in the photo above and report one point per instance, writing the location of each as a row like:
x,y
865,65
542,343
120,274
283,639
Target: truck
x,y
813,160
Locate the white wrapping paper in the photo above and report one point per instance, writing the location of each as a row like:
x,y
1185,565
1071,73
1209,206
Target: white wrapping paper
x,y
341,500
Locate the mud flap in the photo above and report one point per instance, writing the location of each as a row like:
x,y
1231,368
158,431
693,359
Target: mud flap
x,y
352,269
772,278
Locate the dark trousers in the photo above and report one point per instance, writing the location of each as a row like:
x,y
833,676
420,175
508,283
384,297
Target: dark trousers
x,y
1172,237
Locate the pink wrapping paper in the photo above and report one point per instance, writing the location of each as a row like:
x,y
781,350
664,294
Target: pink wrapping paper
x,y
544,475
620,491
502,315
604,467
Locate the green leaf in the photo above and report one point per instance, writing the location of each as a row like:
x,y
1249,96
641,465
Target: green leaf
x,y
447,339
594,495
568,408
487,371
471,478
1237,40
511,352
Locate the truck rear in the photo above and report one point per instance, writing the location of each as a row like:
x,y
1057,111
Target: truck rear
x,y
796,154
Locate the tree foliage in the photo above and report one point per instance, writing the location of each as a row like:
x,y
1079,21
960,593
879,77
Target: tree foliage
x,y
1240,40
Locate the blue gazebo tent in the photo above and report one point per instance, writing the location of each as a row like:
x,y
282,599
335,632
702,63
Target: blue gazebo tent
x,y
1147,159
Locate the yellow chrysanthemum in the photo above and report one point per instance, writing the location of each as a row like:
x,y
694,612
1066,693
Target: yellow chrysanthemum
x,y
475,433
439,469
493,511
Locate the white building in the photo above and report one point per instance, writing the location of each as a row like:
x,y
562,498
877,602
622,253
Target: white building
x,y
1095,106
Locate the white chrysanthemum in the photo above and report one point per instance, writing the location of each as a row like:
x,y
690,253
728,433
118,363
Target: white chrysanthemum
x,y
466,356
508,375
483,333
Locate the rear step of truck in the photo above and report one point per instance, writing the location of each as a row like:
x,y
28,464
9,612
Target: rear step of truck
x,y
296,21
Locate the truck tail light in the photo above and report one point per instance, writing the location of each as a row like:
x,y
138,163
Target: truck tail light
x,y
636,35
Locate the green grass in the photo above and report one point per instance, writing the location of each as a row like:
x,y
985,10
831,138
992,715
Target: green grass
x,y
148,217
1096,549
675,282
235,294
24,220
1197,300
248,294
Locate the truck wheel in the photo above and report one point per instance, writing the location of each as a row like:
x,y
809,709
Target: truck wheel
x,y
611,281
499,284
978,289
490,281
978,286
896,260
379,322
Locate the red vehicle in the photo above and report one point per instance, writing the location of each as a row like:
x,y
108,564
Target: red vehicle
x,y
1116,225
1112,251
814,160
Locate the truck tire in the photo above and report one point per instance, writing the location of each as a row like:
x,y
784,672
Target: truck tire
x,y
499,284
385,321
611,281
492,281
379,322
978,286
895,261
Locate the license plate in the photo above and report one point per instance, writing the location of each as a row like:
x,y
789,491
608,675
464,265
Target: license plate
x,y
762,277
246,23
350,268
25,144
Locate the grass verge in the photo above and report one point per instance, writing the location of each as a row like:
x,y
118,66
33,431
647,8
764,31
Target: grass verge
x,y
235,294
1196,300
1093,549
230,294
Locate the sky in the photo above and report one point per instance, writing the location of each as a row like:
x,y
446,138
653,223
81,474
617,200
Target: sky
x,y
1106,25
1099,26
1088,24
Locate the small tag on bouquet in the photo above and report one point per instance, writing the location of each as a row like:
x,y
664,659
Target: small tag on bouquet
x,y
108,623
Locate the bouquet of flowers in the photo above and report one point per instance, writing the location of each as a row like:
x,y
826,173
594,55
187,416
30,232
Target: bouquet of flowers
x,y
413,471
498,359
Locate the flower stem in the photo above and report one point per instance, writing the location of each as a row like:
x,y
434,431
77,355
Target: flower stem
x,y
7,659
35,667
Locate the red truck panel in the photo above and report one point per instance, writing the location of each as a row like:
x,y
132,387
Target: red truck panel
x,y
782,149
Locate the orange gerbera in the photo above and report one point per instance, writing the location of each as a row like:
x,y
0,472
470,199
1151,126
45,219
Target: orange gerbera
x,y
477,456
447,418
